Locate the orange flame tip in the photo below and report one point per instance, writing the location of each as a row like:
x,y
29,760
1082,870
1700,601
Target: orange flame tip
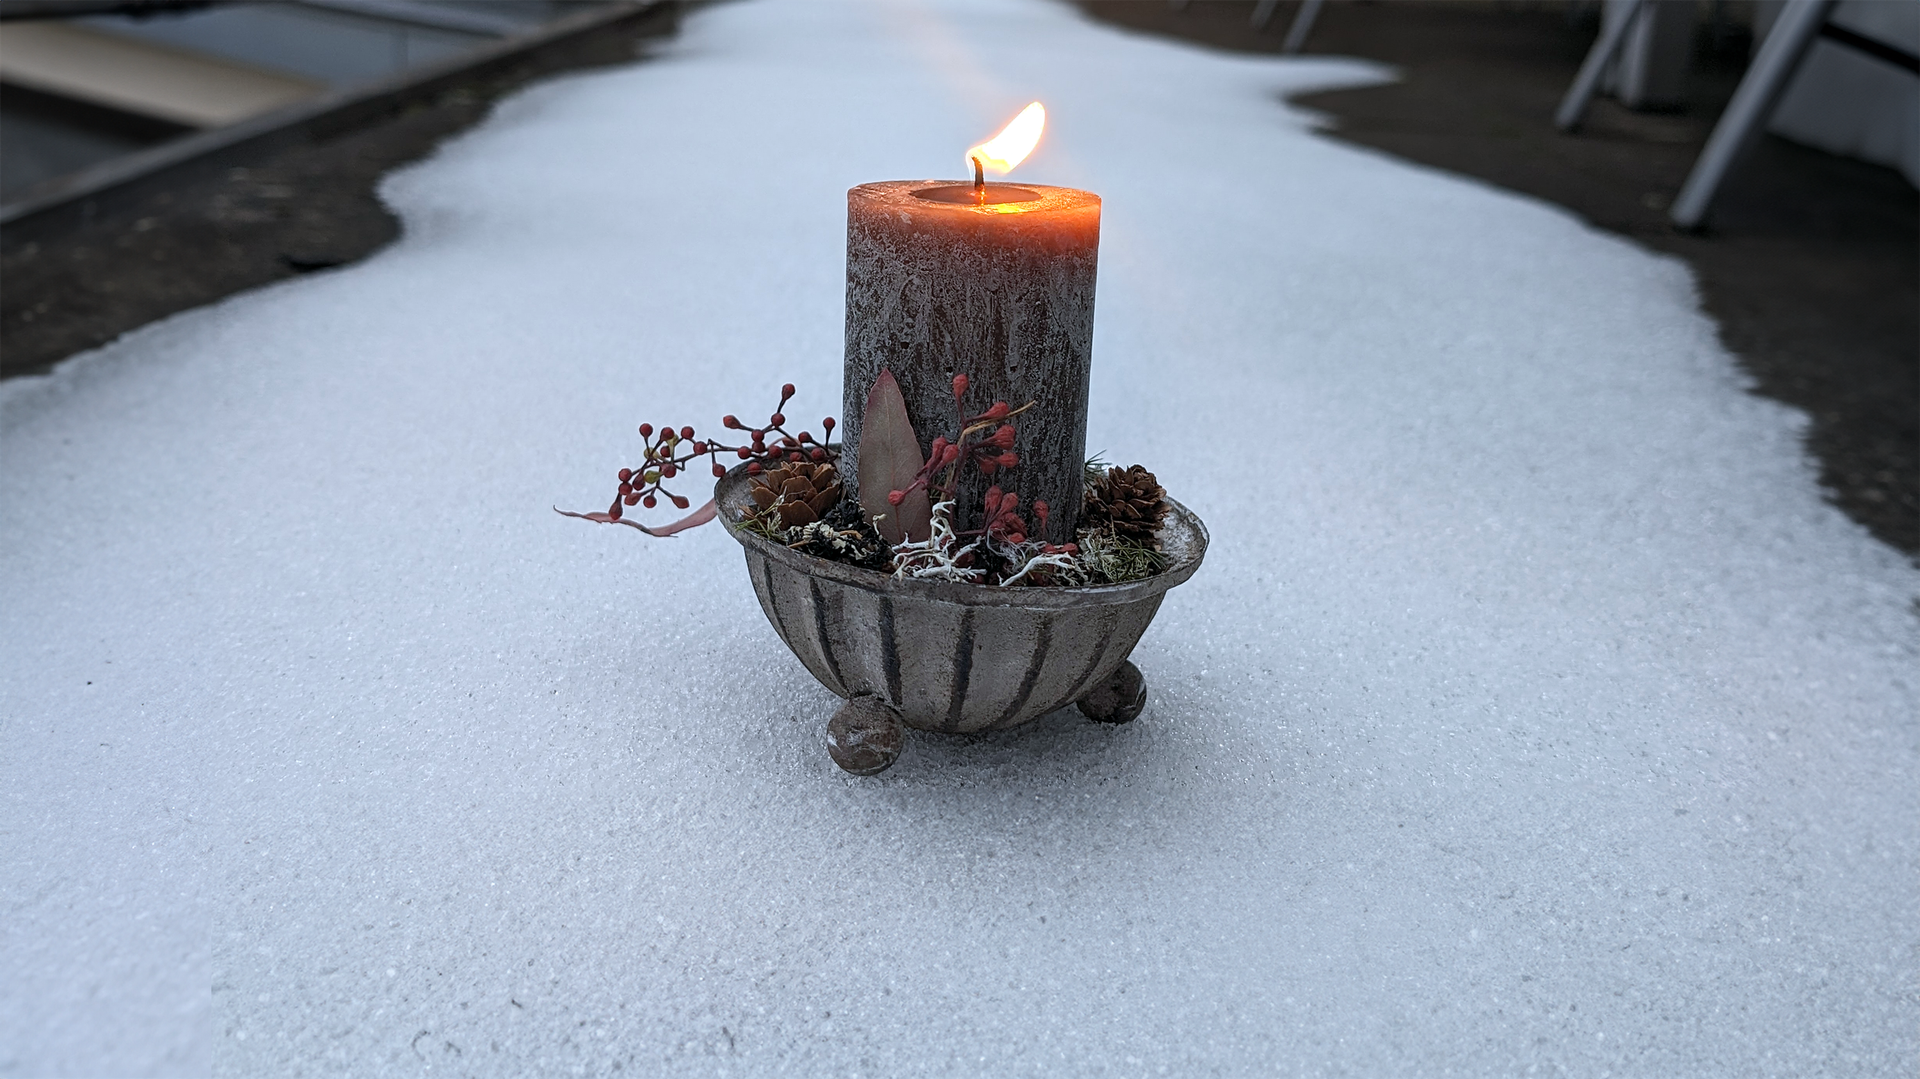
x,y
1011,146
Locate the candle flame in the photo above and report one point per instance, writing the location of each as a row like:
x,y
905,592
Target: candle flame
x,y
1011,146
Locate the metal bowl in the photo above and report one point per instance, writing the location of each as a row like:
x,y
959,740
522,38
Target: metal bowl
x,y
948,656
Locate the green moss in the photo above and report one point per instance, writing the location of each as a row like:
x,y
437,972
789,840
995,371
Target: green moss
x,y
1111,559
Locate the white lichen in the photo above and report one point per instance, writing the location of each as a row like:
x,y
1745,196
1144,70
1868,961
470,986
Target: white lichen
x,y
935,557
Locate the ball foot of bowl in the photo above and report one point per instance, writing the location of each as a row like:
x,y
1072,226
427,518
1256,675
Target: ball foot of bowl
x,y
1118,698
865,736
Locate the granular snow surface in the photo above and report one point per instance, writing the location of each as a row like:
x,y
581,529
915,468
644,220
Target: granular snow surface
x,y
1531,715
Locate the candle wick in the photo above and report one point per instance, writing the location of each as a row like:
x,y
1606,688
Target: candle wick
x,y
979,181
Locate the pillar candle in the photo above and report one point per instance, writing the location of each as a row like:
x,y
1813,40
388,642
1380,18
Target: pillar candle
x,y
993,282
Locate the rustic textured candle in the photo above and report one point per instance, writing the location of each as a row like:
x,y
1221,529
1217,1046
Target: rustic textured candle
x,y
998,288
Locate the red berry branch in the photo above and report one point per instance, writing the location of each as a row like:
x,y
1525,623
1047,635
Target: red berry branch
x,y
668,450
1002,551
988,454
985,440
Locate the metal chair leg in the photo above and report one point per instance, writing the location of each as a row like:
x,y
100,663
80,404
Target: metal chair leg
x,y
1767,77
1302,26
1574,107
1263,11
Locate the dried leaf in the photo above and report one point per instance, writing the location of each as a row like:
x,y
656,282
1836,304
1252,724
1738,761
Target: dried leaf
x,y
692,520
889,460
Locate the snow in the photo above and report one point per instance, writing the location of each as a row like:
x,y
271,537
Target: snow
x,y
1532,714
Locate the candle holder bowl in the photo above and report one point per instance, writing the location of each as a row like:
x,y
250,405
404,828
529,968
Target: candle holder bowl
x,y
953,657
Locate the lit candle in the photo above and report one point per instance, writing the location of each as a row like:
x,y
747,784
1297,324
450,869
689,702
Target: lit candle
x,y
990,280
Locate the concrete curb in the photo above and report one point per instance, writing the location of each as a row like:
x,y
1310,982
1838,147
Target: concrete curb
x,y
82,196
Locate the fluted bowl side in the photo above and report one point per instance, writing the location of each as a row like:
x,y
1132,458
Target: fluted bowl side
x,y
950,656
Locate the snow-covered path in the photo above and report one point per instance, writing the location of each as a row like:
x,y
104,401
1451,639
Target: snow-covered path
x,y
1531,715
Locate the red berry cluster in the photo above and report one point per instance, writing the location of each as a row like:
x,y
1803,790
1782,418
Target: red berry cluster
x,y
986,440
988,453
1002,515
1004,523
669,450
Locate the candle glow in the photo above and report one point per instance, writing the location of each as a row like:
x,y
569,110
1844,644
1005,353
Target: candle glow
x,y
1012,145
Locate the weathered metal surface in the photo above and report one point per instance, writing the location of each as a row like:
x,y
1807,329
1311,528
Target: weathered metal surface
x,y
1119,698
865,736
1002,294
954,657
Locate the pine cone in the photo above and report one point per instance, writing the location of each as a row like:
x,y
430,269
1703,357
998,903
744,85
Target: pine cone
x,y
1129,501
800,492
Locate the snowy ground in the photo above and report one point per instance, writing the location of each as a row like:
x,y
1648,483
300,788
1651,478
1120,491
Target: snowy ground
x,y
1532,714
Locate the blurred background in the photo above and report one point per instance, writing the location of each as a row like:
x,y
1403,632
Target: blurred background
x,y
160,154
86,82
